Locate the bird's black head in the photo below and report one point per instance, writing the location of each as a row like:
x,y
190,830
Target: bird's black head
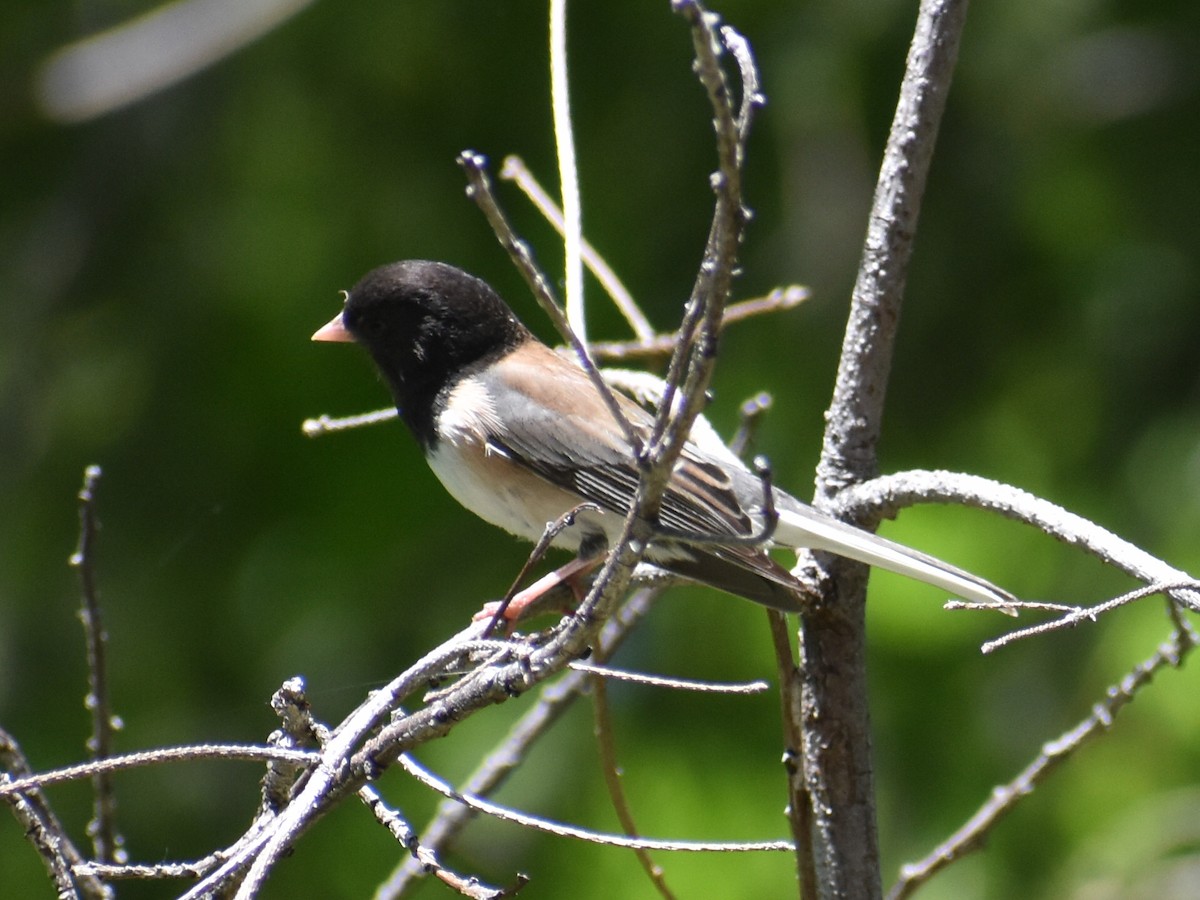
x,y
426,323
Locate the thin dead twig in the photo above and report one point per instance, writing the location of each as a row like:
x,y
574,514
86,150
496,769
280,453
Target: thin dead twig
x,y
1054,753
1074,615
106,841
43,829
561,829
602,727
568,169
777,300
324,424
125,761
691,366
514,169
675,684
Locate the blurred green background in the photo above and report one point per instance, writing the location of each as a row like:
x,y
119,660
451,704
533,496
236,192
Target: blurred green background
x,y
162,268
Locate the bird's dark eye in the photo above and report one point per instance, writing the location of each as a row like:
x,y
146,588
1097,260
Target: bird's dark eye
x,y
370,326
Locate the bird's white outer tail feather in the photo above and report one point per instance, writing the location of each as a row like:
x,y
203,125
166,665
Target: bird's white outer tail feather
x,y
807,529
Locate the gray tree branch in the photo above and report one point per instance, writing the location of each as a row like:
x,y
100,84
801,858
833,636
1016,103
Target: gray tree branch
x,y
835,780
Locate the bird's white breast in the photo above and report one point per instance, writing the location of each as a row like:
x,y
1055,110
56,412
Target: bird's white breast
x,y
482,478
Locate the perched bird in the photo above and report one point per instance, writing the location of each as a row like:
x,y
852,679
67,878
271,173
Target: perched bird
x,y
519,435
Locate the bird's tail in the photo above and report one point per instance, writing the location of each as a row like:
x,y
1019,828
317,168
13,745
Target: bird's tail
x,y
806,528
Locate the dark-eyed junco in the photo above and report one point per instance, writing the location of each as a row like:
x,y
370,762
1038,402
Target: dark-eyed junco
x,y
519,435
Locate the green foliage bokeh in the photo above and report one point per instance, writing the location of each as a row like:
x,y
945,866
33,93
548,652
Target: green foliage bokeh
x,y
162,268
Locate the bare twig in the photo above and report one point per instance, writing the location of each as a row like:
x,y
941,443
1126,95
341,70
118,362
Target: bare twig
x,y
1076,614
43,829
106,841
467,886
752,98
592,837
192,869
1004,800
791,703
692,362
610,768
124,761
349,759
649,391
328,425
514,169
777,300
750,415
848,454
143,872
673,684
568,170
799,817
